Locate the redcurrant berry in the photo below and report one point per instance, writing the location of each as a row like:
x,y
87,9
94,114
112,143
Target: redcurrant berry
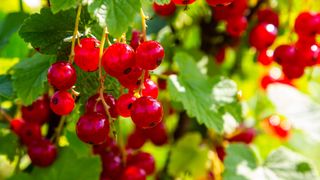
x,y
111,164
158,134
146,112
118,59
62,103
219,2
132,80
124,104
265,57
135,39
42,153
38,112
165,9
307,24
150,89
87,54
142,160
284,53
262,36
136,140
236,26
95,105
268,16
62,75
133,173
246,135
93,128
149,55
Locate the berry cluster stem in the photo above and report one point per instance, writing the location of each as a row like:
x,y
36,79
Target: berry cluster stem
x,y
144,24
57,134
75,34
101,77
5,115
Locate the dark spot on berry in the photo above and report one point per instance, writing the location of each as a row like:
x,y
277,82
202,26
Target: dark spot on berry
x,y
55,100
159,61
127,71
129,106
152,124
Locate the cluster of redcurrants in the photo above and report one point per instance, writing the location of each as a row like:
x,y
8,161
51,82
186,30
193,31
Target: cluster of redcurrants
x,y
294,58
134,165
41,151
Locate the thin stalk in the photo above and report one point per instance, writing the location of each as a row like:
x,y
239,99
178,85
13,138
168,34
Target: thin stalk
x,y
75,34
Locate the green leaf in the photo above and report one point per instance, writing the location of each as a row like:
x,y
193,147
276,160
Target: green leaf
x,y
67,166
201,97
282,163
60,5
8,145
187,156
47,30
30,77
6,90
117,15
161,2
11,24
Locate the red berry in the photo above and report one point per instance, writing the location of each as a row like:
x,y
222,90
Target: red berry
x,y
304,41
292,71
236,26
146,112
150,89
221,152
132,80
42,153
112,165
262,36
265,57
135,39
87,54
142,160
246,135
183,2
124,104
108,146
38,112
62,75
62,103
93,128
279,125
149,55
165,9
133,173
268,16
219,2
284,53
158,134
118,59
16,125
29,132
93,105
308,54
235,9
136,140
307,24
220,56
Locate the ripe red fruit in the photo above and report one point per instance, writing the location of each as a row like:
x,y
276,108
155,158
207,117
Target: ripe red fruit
x,y
268,16
135,39
93,105
150,89
62,103
136,140
235,9
124,104
142,160
146,112
133,173
93,128
112,165
118,59
308,54
149,55
132,80
292,71
28,132
284,53
236,26
183,2
87,54
42,153
221,152
307,24
279,125
305,41
219,2
164,10
265,57
262,36
158,134
38,112
62,75
246,135
108,146
16,125
220,56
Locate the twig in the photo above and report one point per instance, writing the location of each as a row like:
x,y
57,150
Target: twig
x,y
5,115
57,134
255,9
75,34
144,24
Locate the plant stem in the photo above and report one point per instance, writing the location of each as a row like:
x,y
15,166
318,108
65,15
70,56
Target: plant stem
x,y
59,129
17,166
144,24
5,115
101,77
75,34
21,6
